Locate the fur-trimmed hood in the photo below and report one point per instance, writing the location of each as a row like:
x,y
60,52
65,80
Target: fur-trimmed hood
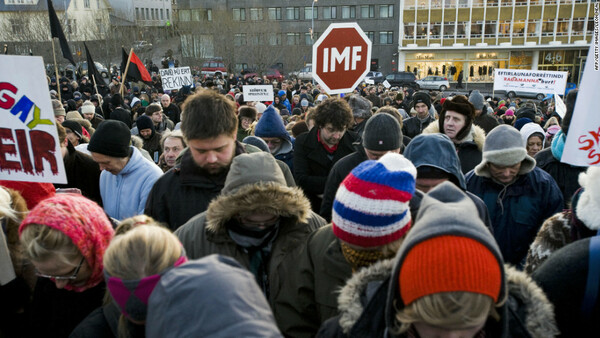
x,y
536,311
589,202
477,135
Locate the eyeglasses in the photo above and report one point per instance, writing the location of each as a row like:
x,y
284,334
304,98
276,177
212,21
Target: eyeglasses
x,y
72,277
260,225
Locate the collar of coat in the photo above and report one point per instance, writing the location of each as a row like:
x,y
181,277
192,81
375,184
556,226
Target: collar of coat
x,y
477,135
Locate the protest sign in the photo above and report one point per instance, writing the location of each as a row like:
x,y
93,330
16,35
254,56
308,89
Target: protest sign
x,y
29,146
386,84
258,93
559,106
175,78
582,147
530,81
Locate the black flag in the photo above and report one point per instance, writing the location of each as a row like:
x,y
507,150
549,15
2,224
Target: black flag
x,y
57,32
136,71
92,70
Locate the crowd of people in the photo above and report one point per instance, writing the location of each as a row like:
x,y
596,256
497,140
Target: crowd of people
x,y
382,212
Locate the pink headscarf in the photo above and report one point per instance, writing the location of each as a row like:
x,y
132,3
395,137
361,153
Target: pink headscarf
x,y
84,222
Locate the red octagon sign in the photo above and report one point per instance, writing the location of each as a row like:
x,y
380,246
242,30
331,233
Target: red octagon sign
x,y
341,57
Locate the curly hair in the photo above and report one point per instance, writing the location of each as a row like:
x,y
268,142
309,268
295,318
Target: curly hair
x,y
335,111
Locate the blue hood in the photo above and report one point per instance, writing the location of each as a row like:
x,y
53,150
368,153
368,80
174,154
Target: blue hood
x,y
435,150
271,125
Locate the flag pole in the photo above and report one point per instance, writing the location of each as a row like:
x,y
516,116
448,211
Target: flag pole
x,y
56,71
97,93
124,76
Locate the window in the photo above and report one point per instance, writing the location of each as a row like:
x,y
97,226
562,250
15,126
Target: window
x,y
476,29
504,29
162,14
434,30
367,11
478,3
293,39
330,12
274,13
450,4
490,28
307,40
577,26
548,27
239,14
308,12
71,26
590,27
409,30
239,39
86,3
292,13
98,4
422,30
100,26
562,27
167,11
152,13
449,30
409,4
348,12
371,36
463,3
17,26
137,13
461,29
274,39
492,3
147,14
519,28
533,27
386,38
386,11
434,3
256,14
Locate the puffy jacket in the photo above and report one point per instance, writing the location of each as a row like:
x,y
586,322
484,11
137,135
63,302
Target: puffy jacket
x,y
413,126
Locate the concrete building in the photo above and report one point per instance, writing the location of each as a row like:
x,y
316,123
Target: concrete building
x,y
154,13
447,36
282,30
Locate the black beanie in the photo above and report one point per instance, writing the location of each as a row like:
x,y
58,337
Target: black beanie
x,y
112,138
382,132
74,126
144,122
463,106
421,97
116,100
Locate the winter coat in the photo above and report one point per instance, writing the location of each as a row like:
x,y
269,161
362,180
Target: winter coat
x,y
271,125
363,301
564,174
485,122
173,113
124,195
152,145
360,127
96,120
165,124
185,191
469,149
101,323
312,162
207,233
517,210
375,100
413,126
122,115
82,173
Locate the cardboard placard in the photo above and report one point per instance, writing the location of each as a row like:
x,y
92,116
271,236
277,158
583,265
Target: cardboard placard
x,y
175,78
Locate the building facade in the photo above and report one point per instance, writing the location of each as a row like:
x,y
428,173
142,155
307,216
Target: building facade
x,y
154,13
248,33
443,37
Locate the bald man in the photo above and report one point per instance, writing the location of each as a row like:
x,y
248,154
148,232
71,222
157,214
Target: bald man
x,y
170,109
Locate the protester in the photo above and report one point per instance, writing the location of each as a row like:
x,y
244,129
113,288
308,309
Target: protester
x,y
150,136
134,263
211,297
481,117
413,126
246,116
580,221
74,133
382,135
258,220
160,120
534,138
127,177
318,150
270,128
118,110
170,109
361,111
519,196
172,144
209,126
474,295
65,237
59,111
371,215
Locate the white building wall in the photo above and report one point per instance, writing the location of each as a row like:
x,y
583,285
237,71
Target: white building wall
x,y
152,12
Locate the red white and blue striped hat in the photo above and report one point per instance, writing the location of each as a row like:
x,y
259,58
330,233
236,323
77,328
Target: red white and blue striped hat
x,y
371,205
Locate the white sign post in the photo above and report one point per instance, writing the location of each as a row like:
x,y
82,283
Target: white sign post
x,y
29,147
582,147
175,78
530,81
260,93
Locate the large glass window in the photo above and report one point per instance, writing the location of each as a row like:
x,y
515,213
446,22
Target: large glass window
x,y
577,26
256,14
478,3
348,12
409,4
386,11
519,28
274,13
239,39
562,27
329,12
449,30
367,11
293,39
371,36
450,3
490,28
239,14
292,13
548,27
533,27
386,38
492,3
308,12
504,28
409,30
434,30
476,29
461,29
422,31
274,39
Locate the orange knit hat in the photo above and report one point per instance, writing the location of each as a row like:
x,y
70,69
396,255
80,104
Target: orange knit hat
x,y
449,263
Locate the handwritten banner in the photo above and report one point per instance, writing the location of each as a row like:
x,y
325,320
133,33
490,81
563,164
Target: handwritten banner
x,y
175,78
29,146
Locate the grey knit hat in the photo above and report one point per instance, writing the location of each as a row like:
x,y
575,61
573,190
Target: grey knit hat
x,y
477,100
58,108
382,132
252,168
504,147
360,106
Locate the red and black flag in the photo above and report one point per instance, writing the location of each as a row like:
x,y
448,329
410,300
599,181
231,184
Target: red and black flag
x,y
92,70
137,71
57,32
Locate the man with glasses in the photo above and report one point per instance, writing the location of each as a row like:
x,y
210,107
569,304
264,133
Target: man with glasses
x,y
271,129
160,120
258,220
318,150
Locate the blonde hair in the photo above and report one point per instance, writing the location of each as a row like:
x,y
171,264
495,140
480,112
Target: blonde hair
x,y
451,310
553,121
41,242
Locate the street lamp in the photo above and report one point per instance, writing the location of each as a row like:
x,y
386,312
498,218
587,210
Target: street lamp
x,y
312,19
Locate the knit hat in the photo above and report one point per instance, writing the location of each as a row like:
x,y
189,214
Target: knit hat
x,y
271,125
116,100
509,112
527,111
296,111
382,132
532,128
371,204
32,192
144,122
281,93
504,147
88,107
243,171
443,237
399,96
304,103
58,108
83,221
461,105
72,115
76,96
260,107
74,127
112,138
520,122
477,100
360,106
321,97
421,97
257,142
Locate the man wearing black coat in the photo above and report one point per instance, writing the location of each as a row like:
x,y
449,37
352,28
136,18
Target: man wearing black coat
x,y
415,125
